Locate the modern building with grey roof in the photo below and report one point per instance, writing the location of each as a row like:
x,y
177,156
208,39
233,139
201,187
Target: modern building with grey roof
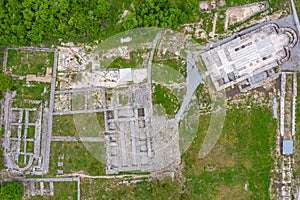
x,y
249,59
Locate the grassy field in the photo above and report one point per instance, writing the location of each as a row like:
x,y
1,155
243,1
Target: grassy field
x,y
29,62
75,158
177,64
37,91
62,190
239,165
21,159
221,22
279,4
203,95
297,140
30,132
30,147
110,189
90,125
135,61
65,125
166,98
207,21
11,190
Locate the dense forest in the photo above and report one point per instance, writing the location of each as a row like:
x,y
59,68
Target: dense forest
x,y
35,22
32,22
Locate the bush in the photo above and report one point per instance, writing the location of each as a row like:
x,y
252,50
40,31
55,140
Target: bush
x,y
11,191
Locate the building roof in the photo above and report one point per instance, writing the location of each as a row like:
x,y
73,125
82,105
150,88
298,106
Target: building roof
x,y
125,75
249,54
287,147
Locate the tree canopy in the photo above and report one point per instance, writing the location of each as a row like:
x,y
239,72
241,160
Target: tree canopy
x,y
11,191
36,21
32,22
155,13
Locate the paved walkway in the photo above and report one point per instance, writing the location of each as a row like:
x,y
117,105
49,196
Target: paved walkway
x,y
294,103
282,104
77,90
193,80
33,49
47,136
149,68
132,176
295,15
72,112
76,139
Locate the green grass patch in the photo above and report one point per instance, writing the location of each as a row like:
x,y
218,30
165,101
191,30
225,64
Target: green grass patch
x,y
32,116
63,125
11,191
279,4
221,22
100,118
21,159
200,40
178,64
31,132
133,172
207,24
14,131
135,61
36,91
297,136
2,131
123,100
165,97
76,158
87,125
30,146
22,143
110,189
203,95
241,156
297,5
65,190
29,62
62,190
78,101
